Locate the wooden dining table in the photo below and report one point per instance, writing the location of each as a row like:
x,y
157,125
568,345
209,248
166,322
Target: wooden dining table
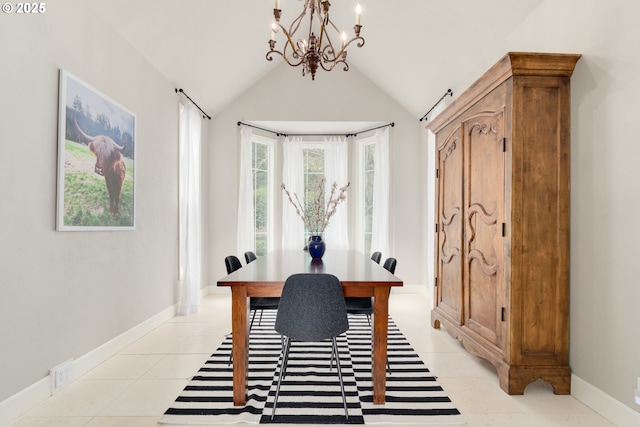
x,y
265,277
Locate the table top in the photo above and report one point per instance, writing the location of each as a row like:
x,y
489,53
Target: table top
x,y
348,266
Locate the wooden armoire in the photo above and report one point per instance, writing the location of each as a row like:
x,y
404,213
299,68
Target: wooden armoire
x,y
502,219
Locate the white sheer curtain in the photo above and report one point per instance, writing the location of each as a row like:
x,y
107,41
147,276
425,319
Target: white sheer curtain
x,y
380,220
292,177
246,232
189,196
336,154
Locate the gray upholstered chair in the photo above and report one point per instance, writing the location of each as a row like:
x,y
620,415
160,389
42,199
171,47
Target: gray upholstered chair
x,y
312,308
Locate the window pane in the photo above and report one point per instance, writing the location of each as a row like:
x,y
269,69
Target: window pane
x,y
260,200
261,196
368,176
261,156
368,157
313,175
314,160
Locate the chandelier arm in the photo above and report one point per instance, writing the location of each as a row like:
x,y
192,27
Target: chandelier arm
x,y
328,54
323,29
346,45
286,59
296,23
296,53
334,63
334,26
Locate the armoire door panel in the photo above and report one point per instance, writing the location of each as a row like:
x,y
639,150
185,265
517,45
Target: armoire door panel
x,y
450,221
483,204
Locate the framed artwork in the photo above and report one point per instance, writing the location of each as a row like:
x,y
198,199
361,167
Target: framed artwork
x,y
96,160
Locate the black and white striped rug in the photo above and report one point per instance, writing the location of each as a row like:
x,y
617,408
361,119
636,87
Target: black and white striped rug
x,y
310,392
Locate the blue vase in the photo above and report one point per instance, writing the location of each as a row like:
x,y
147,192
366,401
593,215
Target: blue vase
x,y
316,247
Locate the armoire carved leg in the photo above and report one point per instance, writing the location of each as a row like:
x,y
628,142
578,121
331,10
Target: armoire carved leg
x,y
515,379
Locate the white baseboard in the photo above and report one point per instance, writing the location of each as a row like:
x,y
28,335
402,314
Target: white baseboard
x,y
618,413
16,405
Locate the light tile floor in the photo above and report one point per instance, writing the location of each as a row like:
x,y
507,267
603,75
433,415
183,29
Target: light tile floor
x,y
135,387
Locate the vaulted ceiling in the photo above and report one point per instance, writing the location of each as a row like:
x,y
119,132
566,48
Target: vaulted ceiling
x,y
415,49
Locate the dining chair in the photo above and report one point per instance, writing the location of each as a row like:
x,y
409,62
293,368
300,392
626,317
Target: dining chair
x,y
390,265
232,263
250,256
255,303
312,309
363,305
259,303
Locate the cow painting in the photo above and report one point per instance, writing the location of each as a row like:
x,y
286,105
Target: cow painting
x,y
110,164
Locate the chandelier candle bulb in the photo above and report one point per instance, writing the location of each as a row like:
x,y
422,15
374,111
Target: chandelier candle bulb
x,y
358,13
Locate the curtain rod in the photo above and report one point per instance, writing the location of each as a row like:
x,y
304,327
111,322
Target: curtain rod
x,y
392,124
448,92
205,115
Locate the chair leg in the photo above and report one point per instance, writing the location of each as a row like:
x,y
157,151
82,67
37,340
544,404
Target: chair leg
x,y
252,317
281,373
344,398
260,319
333,352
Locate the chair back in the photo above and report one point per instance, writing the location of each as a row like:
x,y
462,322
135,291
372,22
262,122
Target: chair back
x,y
249,256
312,308
232,263
390,265
376,256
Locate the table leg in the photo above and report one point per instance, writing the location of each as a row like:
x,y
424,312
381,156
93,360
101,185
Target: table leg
x,y
240,343
380,330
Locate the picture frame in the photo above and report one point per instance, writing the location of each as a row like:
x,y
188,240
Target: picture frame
x,y
96,160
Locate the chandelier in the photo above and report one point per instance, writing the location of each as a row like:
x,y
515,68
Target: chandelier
x,y
318,49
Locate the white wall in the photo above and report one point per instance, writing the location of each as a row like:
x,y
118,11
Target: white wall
x,y
66,293
284,95
605,201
